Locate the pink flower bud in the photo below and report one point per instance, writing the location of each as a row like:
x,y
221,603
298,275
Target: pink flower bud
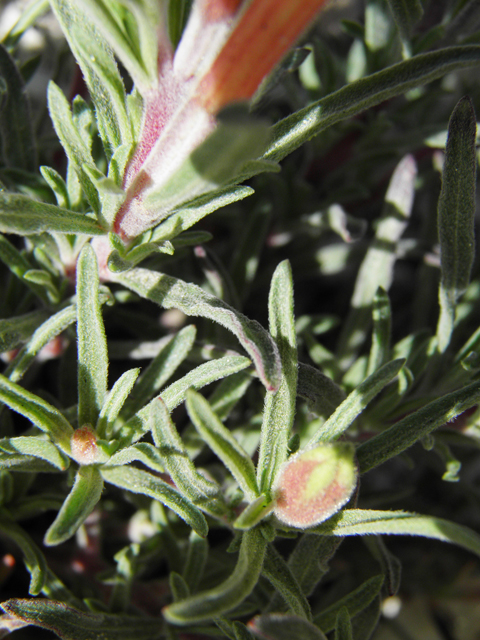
x,y
84,445
314,484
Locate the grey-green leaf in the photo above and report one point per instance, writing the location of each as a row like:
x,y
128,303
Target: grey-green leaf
x,y
171,292
456,213
161,368
114,402
34,559
295,130
79,503
92,344
37,447
277,571
222,443
175,393
406,432
356,402
139,481
24,216
72,624
16,125
353,602
226,596
353,522
279,411
42,414
204,493
280,626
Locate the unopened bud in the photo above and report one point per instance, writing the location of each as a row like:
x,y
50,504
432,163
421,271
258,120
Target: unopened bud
x,y
314,484
84,445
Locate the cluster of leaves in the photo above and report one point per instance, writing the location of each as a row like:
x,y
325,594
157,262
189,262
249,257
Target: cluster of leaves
x,y
169,493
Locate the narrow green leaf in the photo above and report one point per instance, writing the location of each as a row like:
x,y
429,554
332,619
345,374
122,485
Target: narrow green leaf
x,y
41,337
143,452
228,392
254,513
42,414
177,18
191,213
29,16
78,505
406,13
295,130
16,126
21,462
359,522
171,292
309,560
14,331
57,185
456,213
34,559
226,596
343,626
202,492
101,74
222,443
18,265
279,411
24,216
92,344
382,318
321,393
353,602
72,624
389,563
162,367
73,142
377,267
280,626
175,394
138,52
195,561
278,573
178,587
37,447
114,402
409,430
356,402
145,483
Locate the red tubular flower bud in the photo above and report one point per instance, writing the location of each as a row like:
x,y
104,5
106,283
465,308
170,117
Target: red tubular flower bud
x,y
263,35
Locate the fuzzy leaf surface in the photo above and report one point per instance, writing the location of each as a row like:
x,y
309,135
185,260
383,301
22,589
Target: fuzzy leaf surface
x,y
37,447
203,492
79,504
16,126
356,402
295,130
42,414
139,481
278,573
71,624
359,522
353,602
406,432
222,443
92,344
175,393
169,292
456,214
24,216
281,626
34,559
226,596
279,411
115,401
